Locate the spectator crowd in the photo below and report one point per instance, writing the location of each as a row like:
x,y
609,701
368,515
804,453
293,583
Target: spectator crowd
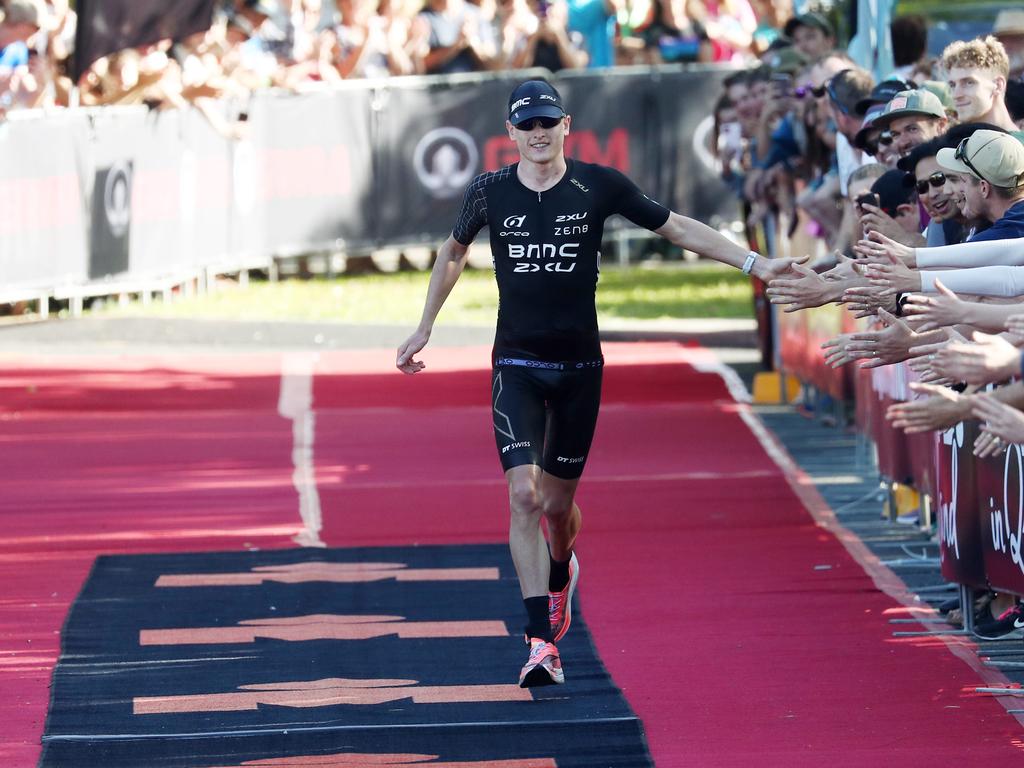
x,y
302,44
908,193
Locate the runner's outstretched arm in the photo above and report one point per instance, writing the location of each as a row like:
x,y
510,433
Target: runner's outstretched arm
x,y
451,260
700,238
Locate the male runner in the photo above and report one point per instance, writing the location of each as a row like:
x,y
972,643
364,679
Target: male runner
x,y
546,218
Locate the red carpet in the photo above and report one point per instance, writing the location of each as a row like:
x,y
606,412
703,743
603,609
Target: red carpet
x,y
741,632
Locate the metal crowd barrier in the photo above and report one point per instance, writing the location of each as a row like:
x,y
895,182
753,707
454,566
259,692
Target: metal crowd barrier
x,y
978,504
112,200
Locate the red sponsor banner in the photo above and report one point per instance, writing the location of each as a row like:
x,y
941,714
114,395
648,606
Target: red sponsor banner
x,y
865,403
792,342
801,335
921,449
956,505
1000,489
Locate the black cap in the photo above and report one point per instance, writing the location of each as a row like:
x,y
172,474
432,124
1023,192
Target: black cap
x,y
812,20
881,94
534,98
892,192
910,160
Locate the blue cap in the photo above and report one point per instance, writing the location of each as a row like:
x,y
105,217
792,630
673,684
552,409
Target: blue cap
x,y
534,98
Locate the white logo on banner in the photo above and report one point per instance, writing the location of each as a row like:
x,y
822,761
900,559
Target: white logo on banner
x,y
445,160
953,437
117,198
1007,537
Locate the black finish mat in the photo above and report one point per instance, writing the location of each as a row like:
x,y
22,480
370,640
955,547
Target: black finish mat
x,y
345,657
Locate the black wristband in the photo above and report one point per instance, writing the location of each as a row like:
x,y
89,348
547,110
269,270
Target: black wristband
x,y
901,299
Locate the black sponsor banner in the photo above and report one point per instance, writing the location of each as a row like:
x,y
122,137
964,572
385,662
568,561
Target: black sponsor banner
x,y
44,222
617,124
430,143
203,190
1000,484
106,26
303,178
362,166
686,179
960,551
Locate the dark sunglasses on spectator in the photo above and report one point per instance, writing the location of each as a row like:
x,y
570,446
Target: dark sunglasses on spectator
x,y
820,91
543,122
960,153
936,180
885,138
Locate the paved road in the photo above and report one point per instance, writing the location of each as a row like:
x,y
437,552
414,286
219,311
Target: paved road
x,y
137,334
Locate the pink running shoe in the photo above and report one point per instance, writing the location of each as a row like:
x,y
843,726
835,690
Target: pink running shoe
x,y
560,603
544,667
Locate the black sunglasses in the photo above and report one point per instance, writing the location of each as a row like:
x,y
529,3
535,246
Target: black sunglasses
x,y
936,180
543,122
960,153
819,91
885,138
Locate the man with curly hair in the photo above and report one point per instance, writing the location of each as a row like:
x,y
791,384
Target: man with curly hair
x,y
977,71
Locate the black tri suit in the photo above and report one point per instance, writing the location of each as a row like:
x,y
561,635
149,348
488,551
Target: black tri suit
x,y
547,361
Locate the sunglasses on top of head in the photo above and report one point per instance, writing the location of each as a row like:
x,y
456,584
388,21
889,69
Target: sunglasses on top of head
x,y
935,181
960,153
533,122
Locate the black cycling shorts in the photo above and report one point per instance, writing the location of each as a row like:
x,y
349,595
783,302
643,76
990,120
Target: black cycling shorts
x,y
545,413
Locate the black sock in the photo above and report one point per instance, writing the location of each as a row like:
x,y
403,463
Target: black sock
x,y
539,623
559,576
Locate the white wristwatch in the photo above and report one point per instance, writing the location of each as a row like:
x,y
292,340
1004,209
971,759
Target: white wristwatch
x,y
749,263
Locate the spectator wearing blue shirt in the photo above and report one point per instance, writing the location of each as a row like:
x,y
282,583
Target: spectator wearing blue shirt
x,y
990,168
594,20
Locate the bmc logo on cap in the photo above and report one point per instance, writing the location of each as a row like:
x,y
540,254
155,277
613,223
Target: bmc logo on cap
x,y
899,103
521,103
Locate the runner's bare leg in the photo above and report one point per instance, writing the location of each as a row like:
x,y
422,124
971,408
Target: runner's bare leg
x,y
533,496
